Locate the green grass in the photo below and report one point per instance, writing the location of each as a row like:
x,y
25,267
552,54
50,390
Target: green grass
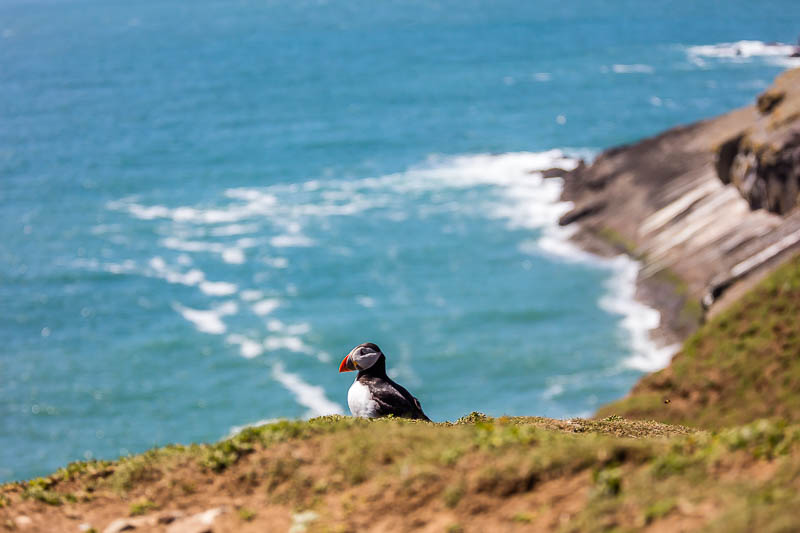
x,y
141,507
634,472
742,365
246,514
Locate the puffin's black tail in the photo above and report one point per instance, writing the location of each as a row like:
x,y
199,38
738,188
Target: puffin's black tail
x,y
420,415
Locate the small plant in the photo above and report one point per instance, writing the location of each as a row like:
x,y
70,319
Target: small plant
x,y
452,495
455,528
472,418
141,507
450,456
246,514
72,470
658,510
522,518
39,489
609,481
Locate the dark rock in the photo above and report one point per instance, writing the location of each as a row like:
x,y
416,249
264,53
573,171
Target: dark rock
x,y
592,208
724,158
767,100
553,172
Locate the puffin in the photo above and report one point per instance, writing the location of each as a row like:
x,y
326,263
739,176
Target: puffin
x,y
373,394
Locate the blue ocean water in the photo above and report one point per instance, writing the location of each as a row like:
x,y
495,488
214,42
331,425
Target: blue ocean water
x,y
204,205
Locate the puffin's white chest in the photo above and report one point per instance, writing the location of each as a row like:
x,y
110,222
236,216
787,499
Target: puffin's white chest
x,y
360,401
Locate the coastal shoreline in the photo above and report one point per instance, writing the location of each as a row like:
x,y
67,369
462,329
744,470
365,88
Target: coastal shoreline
x,y
707,209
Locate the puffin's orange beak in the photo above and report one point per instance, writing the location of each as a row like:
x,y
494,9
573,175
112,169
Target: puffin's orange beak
x,y
347,364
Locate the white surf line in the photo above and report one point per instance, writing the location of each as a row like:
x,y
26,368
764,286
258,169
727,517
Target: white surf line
x,y
310,396
778,54
632,69
742,50
230,254
248,348
191,278
208,320
254,206
638,319
266,306
535,203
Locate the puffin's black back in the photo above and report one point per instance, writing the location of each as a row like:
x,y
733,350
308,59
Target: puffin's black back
x,y
392,398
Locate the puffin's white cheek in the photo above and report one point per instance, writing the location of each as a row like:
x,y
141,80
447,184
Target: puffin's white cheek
x,y
366,360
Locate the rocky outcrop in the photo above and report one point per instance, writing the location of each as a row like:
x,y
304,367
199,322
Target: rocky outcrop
x,y
763,162
707,207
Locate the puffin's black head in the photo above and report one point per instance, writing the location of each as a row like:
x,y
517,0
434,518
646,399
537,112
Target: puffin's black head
x,y
361,357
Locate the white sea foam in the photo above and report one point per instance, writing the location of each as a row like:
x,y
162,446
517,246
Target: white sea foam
x,y
552,391
250,295
233,229
276,262
247,347
287,342
635,69
193,277
207,320
126,267
217,288
638,319
256,204
365,301
229,254
302,328
234,256
307,395
741,51
266,306
291,240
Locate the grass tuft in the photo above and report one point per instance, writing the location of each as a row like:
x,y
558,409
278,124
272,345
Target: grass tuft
x,y
141,507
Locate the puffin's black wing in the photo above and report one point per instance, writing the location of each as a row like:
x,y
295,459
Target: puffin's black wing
x,y
394,399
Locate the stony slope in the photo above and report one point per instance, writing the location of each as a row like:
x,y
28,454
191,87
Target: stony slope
x,y
523,474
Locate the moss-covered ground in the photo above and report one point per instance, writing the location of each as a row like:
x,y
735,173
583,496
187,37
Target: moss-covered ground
x,y
479,474
742,365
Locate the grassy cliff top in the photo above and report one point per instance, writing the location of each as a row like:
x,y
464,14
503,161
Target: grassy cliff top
x,y
479,474
742,365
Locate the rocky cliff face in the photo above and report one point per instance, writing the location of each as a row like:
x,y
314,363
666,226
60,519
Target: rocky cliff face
x,y
709,208
763,162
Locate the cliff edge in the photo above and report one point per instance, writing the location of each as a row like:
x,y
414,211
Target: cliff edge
x,y
339,474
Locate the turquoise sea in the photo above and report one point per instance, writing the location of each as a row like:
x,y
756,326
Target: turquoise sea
x,y
204,205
